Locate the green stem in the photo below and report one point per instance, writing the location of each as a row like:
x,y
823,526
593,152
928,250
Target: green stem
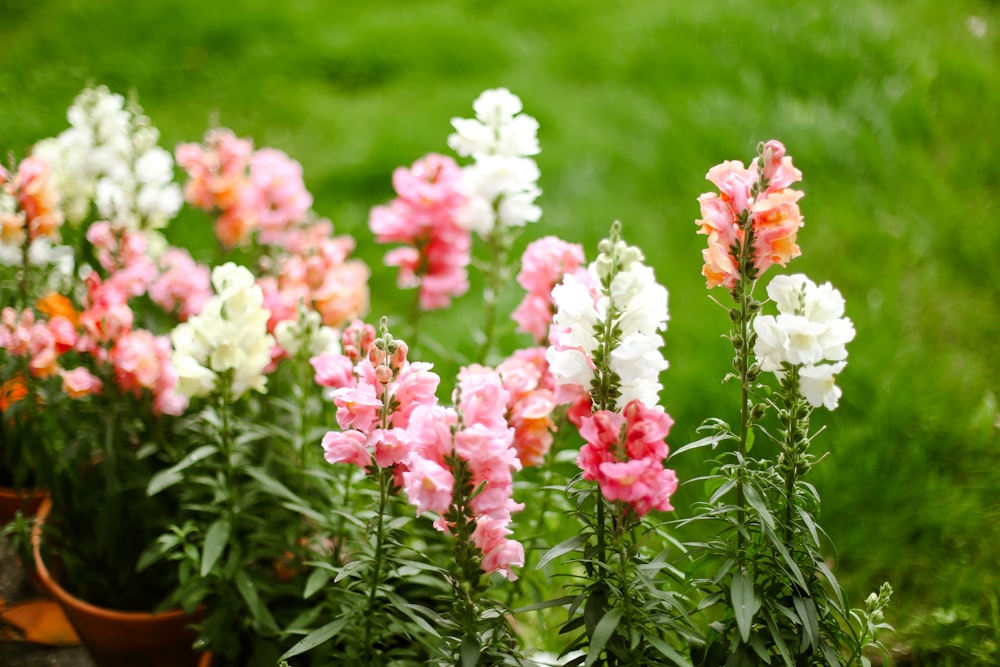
x,y
25,268
494,274
384,479
793,446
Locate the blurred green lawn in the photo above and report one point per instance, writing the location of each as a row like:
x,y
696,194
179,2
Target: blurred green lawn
x,y
890,109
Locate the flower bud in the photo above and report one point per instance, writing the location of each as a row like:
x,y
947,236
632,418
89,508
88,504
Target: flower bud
x,y
383,374
398,355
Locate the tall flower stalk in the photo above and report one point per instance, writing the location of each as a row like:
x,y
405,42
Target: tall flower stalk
x,y
500,185
606,343
768,546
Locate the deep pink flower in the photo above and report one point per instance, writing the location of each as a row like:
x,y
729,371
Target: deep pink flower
x,y
424,217
624,455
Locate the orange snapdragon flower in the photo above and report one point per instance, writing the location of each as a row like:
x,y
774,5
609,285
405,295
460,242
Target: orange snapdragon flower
x,y
54,304
12,391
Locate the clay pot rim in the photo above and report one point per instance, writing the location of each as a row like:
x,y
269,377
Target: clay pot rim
x,y
25,493
70,600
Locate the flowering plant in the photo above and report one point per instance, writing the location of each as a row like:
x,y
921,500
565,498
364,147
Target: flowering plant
x,y
326,494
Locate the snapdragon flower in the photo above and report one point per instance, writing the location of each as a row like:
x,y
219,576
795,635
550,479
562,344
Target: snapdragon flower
x,y
754,207
810,329
606,339
109,157
229,335
424,216
501,184
543,265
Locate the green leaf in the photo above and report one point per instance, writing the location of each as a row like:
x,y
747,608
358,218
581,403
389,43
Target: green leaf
x,y
563,547
470,651
215,542
745,602
248,590
170,476
806,609
545,604
755,502
667,651
317,637
317,580
602,633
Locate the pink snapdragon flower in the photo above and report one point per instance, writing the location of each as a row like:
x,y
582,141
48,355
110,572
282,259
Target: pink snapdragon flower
x,y
377,406
122,253
481,441
424,217
543,265
183,285
42,342
142,362
756,198
106,316
624,455
217,179
531,401
80,382
277,194
318,272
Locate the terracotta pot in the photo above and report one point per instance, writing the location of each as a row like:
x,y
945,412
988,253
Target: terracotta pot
x,y
26,500
120,638
206,660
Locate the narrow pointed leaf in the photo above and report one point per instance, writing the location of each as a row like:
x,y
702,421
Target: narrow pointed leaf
x,y
602,633
563,547
317,637
215,542
745,603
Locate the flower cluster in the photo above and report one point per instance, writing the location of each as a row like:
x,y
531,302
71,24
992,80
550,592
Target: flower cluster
x,y
810,329
624,454
229,335
475,445
250,191
109,156
501,184
30,214
424,216
543,265
752,223
532,398
605,338
315,270
375,404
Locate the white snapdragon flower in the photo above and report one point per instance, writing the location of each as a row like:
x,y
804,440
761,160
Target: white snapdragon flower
x,y
501,185
228,335
576,317
818,384
308,329
810,329
639,308
109,156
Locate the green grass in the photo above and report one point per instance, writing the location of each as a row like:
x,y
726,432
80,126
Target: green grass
x,y
890,109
